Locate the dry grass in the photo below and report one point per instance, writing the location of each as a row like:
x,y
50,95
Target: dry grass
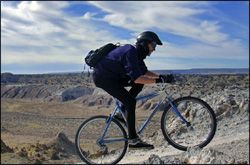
x,y
28,122
20,116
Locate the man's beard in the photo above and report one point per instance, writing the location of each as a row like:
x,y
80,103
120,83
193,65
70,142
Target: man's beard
x,y
142,50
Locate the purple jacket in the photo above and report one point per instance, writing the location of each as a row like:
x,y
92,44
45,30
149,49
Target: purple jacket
x,y
121,62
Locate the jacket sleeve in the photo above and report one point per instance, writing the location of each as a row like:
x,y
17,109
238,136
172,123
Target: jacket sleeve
x,y
143,67
132,64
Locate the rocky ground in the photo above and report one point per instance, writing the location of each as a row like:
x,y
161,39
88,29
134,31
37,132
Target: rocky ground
x,y
39,119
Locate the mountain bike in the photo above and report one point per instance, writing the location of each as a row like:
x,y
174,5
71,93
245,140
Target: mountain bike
x,y
185,122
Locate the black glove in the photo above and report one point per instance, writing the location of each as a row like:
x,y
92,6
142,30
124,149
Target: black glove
x,y
165,79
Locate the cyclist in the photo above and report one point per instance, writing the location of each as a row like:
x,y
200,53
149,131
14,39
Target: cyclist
x,y
124,66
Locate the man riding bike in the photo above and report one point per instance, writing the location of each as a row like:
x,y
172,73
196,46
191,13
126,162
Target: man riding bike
x,y
124,66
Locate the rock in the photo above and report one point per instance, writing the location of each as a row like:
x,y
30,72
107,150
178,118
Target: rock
x,y
147,106
75,92
222,109
8,78
154,159
23,152
46,92
5,148
55,156
196,155
92,103
244,106
62,144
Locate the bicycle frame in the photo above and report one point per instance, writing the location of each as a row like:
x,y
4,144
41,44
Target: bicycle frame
x,y
147,121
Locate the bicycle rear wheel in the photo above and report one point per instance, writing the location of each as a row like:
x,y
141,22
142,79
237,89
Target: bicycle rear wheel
x,y
201,117
89,147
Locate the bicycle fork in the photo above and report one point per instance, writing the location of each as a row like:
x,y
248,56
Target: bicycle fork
x,y
174,107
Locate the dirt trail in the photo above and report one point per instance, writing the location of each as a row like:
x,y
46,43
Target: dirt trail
x,y
140,156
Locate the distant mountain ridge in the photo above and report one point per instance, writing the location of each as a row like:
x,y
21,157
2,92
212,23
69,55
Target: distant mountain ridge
x,y
206,71
165,71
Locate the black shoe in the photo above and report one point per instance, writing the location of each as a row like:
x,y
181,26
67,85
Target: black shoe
x,y
139,144
120,118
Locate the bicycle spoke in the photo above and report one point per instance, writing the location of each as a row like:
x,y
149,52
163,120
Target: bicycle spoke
x,y
198,114
106,151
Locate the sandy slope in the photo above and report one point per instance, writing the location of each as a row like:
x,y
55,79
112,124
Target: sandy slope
x,y
230,145
227,145
232,141
31,121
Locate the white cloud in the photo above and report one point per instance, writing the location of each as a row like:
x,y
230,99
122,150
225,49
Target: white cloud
x,y
47,34
227,50
33,27
30,58
89,15
179,18
163,57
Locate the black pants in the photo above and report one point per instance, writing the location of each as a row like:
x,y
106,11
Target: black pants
x,y
116,88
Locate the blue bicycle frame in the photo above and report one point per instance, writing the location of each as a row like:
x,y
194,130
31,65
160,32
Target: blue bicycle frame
x,y
118,109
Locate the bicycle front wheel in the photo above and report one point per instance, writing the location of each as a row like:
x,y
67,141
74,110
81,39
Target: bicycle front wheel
x,y
201,117
93,149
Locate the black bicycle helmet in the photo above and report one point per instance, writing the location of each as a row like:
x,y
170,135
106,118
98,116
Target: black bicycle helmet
x,y
149,36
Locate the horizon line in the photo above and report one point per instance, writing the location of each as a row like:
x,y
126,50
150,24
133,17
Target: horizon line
x,y
90,70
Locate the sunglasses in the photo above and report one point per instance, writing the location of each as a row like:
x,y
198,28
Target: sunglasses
x,y
153,44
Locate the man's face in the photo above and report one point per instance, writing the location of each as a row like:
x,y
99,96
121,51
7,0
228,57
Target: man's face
x,y
151,47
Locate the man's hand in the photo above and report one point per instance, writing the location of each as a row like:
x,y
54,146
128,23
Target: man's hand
x,y
165,79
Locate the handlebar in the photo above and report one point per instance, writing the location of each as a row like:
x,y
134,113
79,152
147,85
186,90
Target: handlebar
x,y
163,86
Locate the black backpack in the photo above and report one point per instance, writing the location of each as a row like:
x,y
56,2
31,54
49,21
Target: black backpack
x,y
94,56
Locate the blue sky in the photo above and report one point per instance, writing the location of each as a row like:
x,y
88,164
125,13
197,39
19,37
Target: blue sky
x,y
47,36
